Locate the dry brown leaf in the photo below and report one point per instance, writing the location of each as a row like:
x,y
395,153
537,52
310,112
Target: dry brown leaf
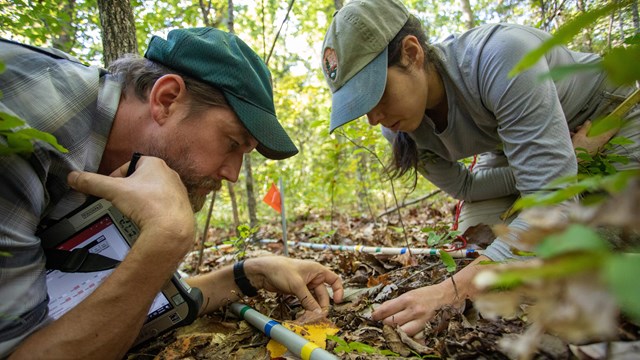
x,y
394,342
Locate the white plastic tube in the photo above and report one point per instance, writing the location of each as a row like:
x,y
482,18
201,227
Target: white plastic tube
x,y
298,345
463,253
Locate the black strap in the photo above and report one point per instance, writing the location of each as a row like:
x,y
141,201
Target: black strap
x,y
241,280
78,260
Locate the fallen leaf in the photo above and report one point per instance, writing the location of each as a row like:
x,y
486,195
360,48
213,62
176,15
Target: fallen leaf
x,y
316,333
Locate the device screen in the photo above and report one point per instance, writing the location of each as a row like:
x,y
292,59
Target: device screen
x,y
67,290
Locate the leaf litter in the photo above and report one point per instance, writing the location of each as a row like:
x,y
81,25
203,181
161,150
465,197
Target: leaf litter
x,y
542,320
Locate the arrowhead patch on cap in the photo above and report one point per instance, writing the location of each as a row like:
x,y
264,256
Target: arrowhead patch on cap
x,y
330,62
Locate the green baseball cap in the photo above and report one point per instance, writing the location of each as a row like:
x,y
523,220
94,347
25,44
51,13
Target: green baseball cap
x,y
354,55
223,60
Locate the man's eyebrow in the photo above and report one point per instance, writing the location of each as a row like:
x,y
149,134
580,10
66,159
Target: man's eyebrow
x,y
246,138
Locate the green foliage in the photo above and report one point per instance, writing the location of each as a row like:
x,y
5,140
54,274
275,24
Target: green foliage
x,y
357,347
242,240
602,163
622,64
580,249
330,175
573,186
565,33
575,238
448,261
20,138
439,239
620,272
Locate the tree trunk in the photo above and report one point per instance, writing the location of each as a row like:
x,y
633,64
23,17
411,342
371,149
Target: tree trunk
x,y
234,206
543,15
636,18
251,197
230,23
248,172
206,9
118,29
470,21
586,45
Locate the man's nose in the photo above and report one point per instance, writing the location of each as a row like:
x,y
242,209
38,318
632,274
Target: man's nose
x,y
230,169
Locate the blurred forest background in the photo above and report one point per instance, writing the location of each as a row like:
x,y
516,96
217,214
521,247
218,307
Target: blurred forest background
x,y
335,176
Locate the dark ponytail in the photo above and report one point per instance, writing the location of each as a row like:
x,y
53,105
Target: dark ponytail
x,y
405,151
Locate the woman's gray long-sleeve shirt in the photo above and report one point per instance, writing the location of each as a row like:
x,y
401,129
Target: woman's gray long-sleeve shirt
x,y
526,117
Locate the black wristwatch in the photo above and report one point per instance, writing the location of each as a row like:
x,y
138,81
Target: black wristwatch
x,y
242,281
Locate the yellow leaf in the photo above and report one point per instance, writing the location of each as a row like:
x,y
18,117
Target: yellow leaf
x,y
316,333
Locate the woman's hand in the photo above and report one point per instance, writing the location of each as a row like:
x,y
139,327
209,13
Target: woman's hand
x,y
297,277
591,144
412,310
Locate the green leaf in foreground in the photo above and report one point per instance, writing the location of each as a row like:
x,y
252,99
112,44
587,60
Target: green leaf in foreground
x,y
622,65
575,238
20,138
622,275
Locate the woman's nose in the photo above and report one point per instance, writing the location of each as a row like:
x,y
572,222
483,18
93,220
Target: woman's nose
x,y
374,117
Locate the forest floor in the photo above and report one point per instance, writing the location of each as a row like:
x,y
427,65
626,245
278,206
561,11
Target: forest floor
x,y
452,334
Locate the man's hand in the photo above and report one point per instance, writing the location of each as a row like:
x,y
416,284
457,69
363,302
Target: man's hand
x,y
297,277
153,197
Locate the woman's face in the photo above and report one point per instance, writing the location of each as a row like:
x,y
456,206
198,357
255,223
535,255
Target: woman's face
x,y
403,102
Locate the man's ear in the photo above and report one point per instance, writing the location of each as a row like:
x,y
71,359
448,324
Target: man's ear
x,y
166,96
412,52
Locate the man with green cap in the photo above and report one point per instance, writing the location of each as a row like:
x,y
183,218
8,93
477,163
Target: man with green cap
x,y
194,105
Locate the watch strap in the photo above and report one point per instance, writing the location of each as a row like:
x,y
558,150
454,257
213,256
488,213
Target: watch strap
x,y
242,281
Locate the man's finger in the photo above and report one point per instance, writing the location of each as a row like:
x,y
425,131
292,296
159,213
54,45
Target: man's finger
x,y
336,285
92,184
307,300
322,295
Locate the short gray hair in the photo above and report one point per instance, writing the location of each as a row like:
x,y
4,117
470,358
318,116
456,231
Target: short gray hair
x,y
139,74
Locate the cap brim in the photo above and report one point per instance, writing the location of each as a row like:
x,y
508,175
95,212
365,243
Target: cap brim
x,y
273,141
361,93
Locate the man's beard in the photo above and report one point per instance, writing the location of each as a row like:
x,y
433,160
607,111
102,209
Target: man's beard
x,y
183,167
193,185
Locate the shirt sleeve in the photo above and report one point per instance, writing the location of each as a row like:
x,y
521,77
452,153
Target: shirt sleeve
x,y
455,179
531,122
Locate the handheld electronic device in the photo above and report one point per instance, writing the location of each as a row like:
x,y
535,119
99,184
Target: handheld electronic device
x,y
101,229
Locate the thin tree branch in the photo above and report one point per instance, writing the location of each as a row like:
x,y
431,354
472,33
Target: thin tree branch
x,y
425,197
266,61
205,233
393,189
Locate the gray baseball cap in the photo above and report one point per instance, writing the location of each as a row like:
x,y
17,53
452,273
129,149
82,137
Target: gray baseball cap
x,y
354,55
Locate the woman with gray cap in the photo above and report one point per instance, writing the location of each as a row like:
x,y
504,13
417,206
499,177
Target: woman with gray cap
x,y
441,103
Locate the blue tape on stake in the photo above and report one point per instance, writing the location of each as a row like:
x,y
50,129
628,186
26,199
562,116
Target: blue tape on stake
x,y
403,250
268,326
